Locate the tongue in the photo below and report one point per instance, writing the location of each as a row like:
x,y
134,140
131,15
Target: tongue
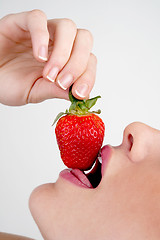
x,y
81,177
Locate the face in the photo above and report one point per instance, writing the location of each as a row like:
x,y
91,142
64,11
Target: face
x,y
125,204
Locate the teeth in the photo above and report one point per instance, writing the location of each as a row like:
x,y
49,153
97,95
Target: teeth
x,y
87,171
100,159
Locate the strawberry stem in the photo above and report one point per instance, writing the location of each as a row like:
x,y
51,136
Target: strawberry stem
x,y
82,107
79,107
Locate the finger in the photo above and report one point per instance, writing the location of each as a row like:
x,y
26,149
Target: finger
x,y
34,22
63,32
84,84
78,61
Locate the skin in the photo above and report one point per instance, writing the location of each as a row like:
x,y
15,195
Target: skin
x,y
6,236
125,205
32,47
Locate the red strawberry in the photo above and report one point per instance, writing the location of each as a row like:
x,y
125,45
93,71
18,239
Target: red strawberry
x,y
79,134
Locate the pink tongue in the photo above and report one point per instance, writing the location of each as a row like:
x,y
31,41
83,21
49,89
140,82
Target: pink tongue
x,y
82,177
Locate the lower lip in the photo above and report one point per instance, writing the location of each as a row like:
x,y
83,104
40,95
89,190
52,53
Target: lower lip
x,y
67,175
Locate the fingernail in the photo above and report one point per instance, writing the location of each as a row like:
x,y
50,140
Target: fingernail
x,y
65,81
52,74
82,90
43,53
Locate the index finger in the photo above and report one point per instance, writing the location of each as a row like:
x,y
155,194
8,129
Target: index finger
x,y
32,24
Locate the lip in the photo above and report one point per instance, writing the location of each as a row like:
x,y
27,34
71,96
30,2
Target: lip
x,y
106,153
77,177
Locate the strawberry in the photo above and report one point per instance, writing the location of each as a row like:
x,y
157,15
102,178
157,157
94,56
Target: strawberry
x,y
79,133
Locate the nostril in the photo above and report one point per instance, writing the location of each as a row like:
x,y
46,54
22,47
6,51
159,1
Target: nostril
x,y
130,139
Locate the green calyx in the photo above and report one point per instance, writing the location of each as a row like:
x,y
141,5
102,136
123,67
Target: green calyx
x,y
79,107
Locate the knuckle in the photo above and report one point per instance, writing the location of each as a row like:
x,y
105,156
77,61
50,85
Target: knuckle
x,y
7,18
66,22
36,13
87,35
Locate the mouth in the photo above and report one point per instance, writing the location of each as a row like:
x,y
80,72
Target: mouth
x,y
90,178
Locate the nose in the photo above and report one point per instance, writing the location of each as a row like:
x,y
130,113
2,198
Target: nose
x,y
141,142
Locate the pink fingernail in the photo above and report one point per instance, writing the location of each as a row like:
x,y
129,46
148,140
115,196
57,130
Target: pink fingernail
x,y
52,74
43,53
65,81
82,90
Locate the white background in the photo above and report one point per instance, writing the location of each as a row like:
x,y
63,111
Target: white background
x,y
127,45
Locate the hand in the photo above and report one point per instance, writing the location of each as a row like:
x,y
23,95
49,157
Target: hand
x,y
41,59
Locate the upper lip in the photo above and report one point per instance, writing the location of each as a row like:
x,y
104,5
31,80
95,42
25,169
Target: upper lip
x,y
106,153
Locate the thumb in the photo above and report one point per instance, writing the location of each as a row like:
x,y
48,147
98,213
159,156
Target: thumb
x,y
44,89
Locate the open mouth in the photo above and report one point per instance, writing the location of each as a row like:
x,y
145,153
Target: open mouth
x,y
92,177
